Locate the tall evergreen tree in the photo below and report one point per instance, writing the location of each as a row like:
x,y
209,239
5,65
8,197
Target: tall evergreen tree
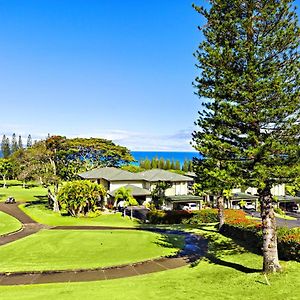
x,y
147,164
5,146
172,165
20,142
249,73
161,164
185,166
154,163
168,165
177,165
14,143
29,141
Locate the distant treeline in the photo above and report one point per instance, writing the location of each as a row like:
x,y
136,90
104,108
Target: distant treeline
x,y
8,146
167,164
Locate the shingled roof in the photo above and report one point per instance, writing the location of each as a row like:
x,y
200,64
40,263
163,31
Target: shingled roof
x,y
155,175
135,191
110,174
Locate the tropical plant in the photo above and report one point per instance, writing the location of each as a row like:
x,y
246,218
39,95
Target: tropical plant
x,y
125,194
5,169
80,197
159,193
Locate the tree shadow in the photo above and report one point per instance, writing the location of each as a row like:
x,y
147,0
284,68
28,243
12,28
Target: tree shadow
x,y
215,260
40,199
170,241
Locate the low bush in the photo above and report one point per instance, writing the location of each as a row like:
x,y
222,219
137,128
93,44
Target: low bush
x,y
249,231
168,217
202,216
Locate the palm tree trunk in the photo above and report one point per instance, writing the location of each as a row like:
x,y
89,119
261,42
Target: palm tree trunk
x,y
270,252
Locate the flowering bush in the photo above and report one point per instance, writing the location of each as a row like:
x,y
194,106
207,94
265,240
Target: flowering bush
x,y
238,218
288,240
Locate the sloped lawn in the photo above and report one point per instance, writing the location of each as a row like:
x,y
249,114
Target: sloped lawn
x,y
230,274
8,223
43,215
80,249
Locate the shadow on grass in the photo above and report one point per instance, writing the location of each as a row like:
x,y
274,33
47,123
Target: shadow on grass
x,y
215,260
40,199
170,241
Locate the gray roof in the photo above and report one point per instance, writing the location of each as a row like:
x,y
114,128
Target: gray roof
x,y
288,198
184,198
155,175
190,174
111,174
135,191
243,196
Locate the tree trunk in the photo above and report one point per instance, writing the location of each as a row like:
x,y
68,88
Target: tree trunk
x,y
270,252
54,200
221,216
4,181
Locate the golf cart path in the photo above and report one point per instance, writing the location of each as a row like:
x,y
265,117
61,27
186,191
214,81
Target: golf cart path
x,y
195,248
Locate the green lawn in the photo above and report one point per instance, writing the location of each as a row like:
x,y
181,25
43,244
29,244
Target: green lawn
x,y
21,194
65,249
8,223
232,275
285,217
41,214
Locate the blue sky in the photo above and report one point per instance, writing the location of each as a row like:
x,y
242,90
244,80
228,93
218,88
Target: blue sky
x,y
118,69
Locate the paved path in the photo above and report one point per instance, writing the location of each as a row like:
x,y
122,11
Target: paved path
x,y
195,247
29,226
280,222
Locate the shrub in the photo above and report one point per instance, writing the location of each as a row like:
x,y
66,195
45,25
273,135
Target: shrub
x,y
202,216
168,217
249,231
80,196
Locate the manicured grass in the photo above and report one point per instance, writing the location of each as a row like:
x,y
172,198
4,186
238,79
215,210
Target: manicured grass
x,y
21,194
230,273
65,249
285,217
8,223
43,215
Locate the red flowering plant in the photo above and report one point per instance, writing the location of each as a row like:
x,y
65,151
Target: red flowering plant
x,y
238,218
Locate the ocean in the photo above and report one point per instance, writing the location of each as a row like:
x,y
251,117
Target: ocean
x,y
180,156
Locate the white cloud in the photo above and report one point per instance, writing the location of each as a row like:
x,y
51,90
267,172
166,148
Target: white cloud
x,y
139,141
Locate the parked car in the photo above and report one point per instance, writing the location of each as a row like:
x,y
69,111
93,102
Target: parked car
x,y
249,206
190,206
289,206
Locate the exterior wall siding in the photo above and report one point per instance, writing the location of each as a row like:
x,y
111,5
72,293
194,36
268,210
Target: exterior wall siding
x,y
114,185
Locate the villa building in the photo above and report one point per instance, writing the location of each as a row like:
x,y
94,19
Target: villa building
x,y
142,184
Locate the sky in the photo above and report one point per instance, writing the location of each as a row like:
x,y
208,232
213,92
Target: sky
x,y
121,70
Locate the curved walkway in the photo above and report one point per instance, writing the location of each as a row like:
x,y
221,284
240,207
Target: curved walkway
x,y
195,247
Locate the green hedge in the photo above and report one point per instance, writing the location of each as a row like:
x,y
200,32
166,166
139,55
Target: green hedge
x,y
168,217
202,216
183,217
288,240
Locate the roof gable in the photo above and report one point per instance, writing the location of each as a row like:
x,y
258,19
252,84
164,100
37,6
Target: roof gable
x,y
110,174
155,175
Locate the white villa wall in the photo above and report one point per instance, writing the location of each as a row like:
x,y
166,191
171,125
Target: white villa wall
x,y
178,188
277,190
114,185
